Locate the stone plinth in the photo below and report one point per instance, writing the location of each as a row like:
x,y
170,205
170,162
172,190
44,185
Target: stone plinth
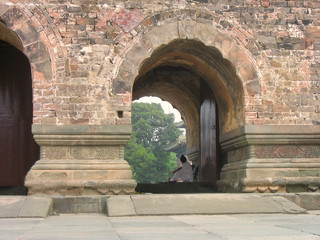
x,y
81,160
271,159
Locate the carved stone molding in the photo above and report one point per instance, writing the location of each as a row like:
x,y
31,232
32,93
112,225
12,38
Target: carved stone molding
x,y
53,152
95,152
270,135
271,185
74,135
287,151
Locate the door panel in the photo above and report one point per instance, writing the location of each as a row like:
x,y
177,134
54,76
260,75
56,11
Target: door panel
x,y
18,150
208,136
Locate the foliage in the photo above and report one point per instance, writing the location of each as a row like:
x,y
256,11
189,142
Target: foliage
x,y
152,130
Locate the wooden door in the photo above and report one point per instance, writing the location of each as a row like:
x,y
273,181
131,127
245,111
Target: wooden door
x,y
209,169
18,150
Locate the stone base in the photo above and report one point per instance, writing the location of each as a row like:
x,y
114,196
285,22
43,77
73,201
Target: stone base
x,y
81,177
271,159
81,160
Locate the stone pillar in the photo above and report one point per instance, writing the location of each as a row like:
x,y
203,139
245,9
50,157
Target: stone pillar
x,y
81,160
271,159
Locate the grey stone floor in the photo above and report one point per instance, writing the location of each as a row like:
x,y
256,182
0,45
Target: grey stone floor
x,y
195,227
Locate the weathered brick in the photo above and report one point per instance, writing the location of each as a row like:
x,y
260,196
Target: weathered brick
x,y
281,37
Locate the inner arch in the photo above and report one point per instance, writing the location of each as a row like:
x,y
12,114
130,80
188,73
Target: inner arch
x,y
208,64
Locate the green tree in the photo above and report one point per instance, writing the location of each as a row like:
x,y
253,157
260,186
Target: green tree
x,y
152,130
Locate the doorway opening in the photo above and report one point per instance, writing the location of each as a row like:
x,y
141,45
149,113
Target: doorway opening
x,y
192,96
18,151
190,75
152,131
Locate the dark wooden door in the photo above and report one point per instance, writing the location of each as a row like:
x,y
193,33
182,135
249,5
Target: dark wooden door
x,y
18,150
208,136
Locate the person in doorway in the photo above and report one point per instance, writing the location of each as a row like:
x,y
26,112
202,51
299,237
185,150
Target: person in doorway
x,y
184,172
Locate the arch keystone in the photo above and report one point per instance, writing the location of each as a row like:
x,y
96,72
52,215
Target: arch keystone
x,y
159,35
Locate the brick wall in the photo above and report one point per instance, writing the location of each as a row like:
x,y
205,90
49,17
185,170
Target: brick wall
x,y
76,47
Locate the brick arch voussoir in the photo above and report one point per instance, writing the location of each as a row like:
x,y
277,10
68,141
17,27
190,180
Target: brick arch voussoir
x,y
195,24
36,44
239,49
201,17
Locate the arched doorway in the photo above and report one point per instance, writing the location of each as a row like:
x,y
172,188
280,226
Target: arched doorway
x,y
18,150
196,80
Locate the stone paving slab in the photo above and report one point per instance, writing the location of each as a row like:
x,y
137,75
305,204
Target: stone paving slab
x,y
184,227
10,206
36,207
258,226
120,206
22,206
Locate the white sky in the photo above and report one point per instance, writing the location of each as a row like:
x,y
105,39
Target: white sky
x,y
166,106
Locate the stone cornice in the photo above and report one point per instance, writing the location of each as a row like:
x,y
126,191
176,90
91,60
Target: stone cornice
x,y
270,134
50,134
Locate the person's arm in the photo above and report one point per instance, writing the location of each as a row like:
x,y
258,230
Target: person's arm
x,y
176,170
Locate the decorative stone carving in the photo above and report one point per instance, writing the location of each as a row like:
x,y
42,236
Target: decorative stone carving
x,y
287,151
108,153
105,152
55,152
271,185
83,152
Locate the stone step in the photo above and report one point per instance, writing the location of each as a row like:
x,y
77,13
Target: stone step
x,y
159,204
180,204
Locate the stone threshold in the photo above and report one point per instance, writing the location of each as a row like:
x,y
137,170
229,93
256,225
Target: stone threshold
x,y
159,204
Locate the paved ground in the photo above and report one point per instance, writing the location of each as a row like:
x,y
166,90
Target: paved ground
x,y
187,227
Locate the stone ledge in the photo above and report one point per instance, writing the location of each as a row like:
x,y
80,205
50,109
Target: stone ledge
x,y
81,135
181,204
308,201
177,204
72,129
270,134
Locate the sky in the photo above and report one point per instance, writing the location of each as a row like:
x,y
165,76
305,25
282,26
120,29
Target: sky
x,y
166,106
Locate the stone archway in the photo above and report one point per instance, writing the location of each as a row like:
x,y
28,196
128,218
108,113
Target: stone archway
x,y
177,72
255,154
169,45
233,77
